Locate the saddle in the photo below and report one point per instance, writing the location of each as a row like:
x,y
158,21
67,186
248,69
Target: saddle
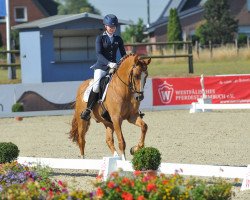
x,y
102,93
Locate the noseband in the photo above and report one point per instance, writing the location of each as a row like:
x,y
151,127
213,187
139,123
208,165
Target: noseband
x,y
131,85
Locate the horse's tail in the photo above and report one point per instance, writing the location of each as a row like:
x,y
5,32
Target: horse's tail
x,y
74,130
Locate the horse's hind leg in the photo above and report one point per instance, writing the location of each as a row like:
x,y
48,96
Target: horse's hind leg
x,y
110,139
137,120
83,127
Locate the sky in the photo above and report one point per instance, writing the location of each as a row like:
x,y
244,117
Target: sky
x,y
130,9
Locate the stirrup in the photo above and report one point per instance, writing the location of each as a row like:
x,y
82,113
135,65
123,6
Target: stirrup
x,y
86,114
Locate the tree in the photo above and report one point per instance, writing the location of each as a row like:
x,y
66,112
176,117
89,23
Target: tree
x,y
219,26
174,32
134,33
76,6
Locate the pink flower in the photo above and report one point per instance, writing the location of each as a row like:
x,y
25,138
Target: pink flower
x,y
60,183
43,188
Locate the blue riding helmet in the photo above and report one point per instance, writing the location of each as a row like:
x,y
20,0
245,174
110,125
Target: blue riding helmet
x,y
110,20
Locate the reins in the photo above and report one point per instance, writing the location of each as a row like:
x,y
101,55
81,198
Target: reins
x,y
131,84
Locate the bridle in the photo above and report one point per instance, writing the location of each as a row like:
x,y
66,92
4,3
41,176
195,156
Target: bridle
x,y
131,85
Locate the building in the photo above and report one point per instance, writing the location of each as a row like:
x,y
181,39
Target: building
x,y
22,11
60,47
191,15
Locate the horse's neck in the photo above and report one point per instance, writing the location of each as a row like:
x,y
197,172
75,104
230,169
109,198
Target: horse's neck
x,y
122,77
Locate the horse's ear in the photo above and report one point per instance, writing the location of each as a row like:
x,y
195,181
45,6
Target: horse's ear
x,y
147,61
136,58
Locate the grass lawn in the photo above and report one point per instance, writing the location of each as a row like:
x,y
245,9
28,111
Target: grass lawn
x,y
4,77
170,68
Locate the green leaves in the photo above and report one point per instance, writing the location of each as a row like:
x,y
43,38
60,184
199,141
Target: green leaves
x,y
134,33
219,26
147,158
174,30
8,152
76,6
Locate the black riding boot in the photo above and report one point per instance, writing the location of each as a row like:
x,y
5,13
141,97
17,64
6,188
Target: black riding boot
x,y
93,98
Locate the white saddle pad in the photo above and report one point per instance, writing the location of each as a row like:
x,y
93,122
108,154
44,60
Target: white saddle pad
x,y
88,90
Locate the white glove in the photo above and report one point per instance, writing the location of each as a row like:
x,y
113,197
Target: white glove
x,y
112,65
112,70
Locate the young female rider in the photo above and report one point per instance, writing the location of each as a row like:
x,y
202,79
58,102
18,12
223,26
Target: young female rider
x,y
107,45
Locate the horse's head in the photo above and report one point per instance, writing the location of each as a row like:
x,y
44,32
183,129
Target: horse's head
x,y
138,76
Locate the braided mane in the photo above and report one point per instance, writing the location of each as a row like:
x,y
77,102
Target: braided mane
x,y
124,58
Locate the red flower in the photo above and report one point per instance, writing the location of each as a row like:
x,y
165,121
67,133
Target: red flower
x,y
118,189
141,198
51,194
99,178
43,188
137,173
165,182
99,192
111,184
151,187
127,196
125,180
114,174
132,183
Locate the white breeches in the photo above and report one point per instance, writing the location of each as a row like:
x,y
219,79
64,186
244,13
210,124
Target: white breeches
x,y
98,74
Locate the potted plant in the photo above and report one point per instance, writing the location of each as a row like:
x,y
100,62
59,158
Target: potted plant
x,y
147,159
18,107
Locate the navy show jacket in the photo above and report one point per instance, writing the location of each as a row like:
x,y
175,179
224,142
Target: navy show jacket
x,y
106,50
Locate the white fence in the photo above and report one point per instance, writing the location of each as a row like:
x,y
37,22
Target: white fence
x,y
108,165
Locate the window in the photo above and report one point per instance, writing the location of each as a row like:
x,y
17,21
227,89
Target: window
x,y
74,45
2,19
20,14
248,5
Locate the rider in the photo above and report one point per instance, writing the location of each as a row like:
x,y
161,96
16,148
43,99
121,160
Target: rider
x,y
106,45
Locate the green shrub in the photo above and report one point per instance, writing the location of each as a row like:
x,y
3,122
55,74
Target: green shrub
x,y
17,107
147,158
8,152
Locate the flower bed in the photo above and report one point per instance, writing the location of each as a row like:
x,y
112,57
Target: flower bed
x,y
18,181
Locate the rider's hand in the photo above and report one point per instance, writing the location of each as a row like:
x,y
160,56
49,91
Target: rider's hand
x,y
112,70
112,65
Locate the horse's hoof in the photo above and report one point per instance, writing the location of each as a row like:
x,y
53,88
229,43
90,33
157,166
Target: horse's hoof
x,y
132,150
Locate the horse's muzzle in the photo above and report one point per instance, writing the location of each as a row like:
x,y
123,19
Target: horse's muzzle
x,y
140,97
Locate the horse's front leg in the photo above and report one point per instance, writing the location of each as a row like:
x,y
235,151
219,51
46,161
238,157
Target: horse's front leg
x,y
117,122
110,139
137,120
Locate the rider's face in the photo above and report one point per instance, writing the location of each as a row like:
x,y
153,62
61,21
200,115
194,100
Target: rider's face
x,y
110,29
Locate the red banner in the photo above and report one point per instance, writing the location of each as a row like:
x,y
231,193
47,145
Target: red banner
x,y
221,89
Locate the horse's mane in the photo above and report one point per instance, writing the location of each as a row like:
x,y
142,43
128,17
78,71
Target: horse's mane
x,y
124,58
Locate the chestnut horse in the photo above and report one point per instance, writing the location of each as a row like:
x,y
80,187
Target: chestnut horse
x,y
122,102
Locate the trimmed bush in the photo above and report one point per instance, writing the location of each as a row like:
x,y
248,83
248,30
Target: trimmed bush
x,y
147,158
8,152
17,107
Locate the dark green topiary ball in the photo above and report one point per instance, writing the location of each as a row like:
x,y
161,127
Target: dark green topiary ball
x,y
8,152
147,158
17,107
